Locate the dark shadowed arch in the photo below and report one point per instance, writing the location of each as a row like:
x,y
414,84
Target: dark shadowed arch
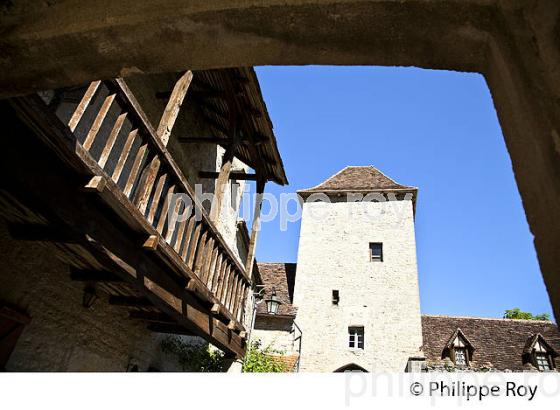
x,y
350,367
514,44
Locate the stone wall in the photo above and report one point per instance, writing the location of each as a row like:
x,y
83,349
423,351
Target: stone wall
x,y
63,335
275,333
382,297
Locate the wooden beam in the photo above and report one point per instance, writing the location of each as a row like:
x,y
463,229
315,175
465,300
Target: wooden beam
x,y
173,106
240,176
157,317
255,228
216,124
222,182
42,233
130,301
89,275
113,245
172,329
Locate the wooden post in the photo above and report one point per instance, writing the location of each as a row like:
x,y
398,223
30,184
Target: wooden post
x,y
255,227
222,182
173,105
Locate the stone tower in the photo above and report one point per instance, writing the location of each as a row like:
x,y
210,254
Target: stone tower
x,y
357,282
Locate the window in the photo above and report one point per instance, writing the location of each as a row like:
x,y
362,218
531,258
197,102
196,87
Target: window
x,y
459,349
356,337
542,361
335,297
460,357
542,354
376,251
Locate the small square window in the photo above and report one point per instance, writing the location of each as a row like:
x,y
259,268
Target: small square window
x,y
542,362
356,337
335,297
376,251
460,357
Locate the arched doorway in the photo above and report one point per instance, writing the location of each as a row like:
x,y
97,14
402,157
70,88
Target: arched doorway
x,y
350,367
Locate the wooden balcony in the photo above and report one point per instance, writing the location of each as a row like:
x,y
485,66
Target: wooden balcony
x,y
113,200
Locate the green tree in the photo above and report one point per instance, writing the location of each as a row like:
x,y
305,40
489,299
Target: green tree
x,y
517,313
259,360
194,358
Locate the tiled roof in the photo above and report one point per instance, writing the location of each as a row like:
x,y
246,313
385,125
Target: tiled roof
x,y
281,277
358,179
497,343
289,361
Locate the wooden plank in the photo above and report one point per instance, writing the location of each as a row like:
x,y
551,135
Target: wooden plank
x,y
172,222
213,266
81,108
165,209
237,300
181,229
173,106
135,169
233,295
92,221
171,329
176,172
241,315
92,133
216,286
156,317
227,283
194,245
207,259
96,184
109,144
251,251
187,238
151,243
215,272
157,197
240,176
200,252
124,155
221,184
146,185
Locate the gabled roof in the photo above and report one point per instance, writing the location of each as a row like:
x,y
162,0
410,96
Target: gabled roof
x,y
537,337
459,334
281,277
362,179
500,343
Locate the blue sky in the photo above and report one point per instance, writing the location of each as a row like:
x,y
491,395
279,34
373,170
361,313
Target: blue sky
x,y
436,130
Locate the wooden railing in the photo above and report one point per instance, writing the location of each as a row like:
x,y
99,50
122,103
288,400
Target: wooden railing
x,y
139,177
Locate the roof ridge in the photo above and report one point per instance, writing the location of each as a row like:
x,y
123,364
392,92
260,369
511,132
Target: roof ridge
x,y
332,176
490,318
358,178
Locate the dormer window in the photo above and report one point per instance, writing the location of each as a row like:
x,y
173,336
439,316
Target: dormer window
x,y
542,362
539,353
459,349
461,357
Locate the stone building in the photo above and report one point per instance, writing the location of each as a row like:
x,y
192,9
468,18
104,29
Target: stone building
x,y
96,271
354,293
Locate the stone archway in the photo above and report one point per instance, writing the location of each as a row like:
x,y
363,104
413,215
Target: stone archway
x,y
350,367
515,45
